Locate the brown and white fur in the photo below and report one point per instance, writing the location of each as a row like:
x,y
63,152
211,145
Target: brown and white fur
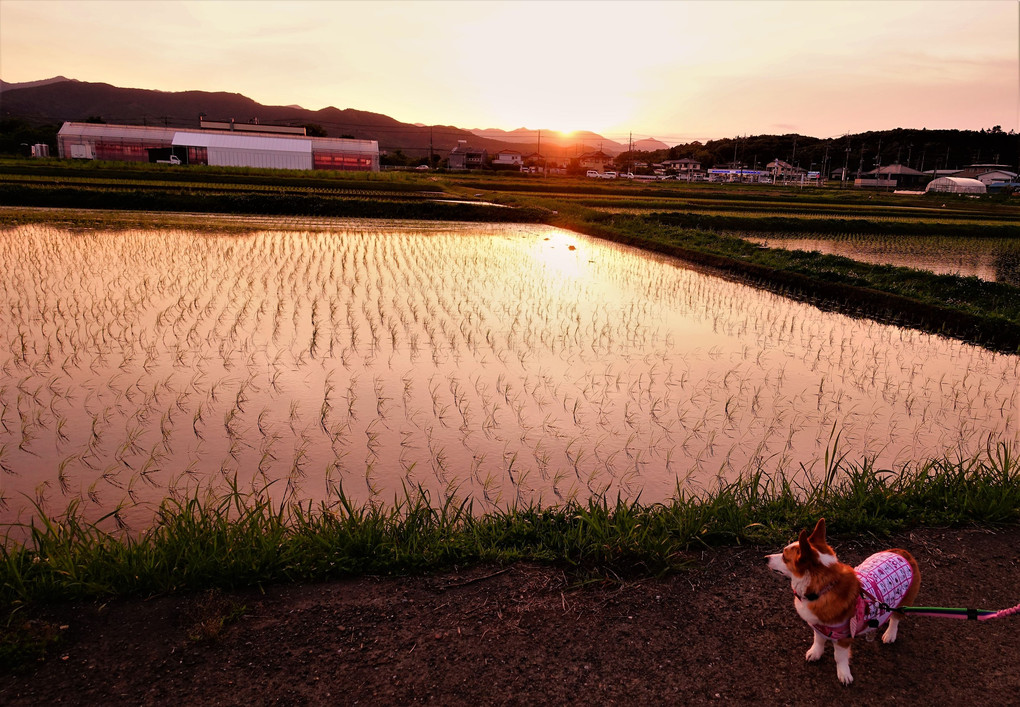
x,y
826,592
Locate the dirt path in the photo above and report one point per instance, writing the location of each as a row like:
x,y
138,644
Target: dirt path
x,y
723,633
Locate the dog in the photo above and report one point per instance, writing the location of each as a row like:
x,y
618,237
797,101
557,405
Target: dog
x,y
840,602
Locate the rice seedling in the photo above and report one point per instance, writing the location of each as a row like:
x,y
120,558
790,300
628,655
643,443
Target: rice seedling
x,y
365,344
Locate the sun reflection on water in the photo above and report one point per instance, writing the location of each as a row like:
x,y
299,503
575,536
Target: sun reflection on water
x,y
558,253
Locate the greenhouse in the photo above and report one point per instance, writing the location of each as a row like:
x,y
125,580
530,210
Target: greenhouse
x,y
956,185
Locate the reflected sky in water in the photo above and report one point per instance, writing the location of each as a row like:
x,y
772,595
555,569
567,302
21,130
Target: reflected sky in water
x,y
504,363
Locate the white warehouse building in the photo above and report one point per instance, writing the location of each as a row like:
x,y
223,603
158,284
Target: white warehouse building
x,y
244,145
233,150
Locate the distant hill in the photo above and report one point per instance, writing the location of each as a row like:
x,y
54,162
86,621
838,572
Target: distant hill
x,y
53,101
29,84
649,144
553,142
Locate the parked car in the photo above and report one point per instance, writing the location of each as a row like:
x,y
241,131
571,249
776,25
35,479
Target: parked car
x,y
609,175
593,174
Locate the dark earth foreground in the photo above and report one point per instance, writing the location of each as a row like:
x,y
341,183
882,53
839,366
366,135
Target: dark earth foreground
x,y
724,632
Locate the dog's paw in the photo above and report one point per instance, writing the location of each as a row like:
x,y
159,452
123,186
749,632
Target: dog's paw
x,y
843,673
890,634
814,653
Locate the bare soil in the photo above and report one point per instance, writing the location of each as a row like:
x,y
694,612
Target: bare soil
x,y
723,632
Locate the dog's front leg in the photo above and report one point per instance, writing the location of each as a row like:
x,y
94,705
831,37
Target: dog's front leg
x,y
842,650
890,633
817,647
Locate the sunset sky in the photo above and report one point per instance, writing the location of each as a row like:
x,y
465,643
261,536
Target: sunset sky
x,y
676,71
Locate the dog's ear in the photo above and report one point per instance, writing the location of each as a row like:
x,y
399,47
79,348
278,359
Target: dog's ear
x,y
806,551
818,534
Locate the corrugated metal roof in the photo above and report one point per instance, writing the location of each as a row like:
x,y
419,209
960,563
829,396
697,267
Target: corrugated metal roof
x,y
241,142
102,130
897,168
337,144
226,140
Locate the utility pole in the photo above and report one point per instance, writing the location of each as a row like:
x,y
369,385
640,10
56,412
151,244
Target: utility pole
x,y
432,158
538,151
846,164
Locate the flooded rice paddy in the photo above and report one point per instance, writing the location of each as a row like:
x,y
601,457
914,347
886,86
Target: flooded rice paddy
x,y
505,364
990,259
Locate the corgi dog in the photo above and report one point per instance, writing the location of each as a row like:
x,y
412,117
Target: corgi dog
x,y
840,602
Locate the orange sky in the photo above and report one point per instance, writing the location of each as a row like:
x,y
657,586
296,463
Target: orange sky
x,y
676,71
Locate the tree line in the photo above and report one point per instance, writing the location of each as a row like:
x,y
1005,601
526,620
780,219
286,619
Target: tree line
x,y
923,150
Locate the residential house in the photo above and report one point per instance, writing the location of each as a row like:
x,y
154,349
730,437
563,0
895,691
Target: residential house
x,y
537,163
684,168
598,160
976,171
781,171
465,157
996,176
897,176
507,159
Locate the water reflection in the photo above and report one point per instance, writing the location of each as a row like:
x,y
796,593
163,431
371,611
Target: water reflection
x,y
990,259
505,363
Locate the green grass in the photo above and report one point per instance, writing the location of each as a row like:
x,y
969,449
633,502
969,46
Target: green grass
x,y
249,201
801,224
54,169
243,540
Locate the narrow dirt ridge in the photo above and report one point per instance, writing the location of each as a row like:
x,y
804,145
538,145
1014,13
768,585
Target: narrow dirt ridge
x,y
724,632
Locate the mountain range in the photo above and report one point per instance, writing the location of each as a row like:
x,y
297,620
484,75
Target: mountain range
x,y
53,101
32,112
579,140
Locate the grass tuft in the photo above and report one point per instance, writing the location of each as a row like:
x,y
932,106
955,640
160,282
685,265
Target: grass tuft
x,y
246,540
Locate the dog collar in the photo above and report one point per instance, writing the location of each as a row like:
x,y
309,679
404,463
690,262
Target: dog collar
x,y
814,596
